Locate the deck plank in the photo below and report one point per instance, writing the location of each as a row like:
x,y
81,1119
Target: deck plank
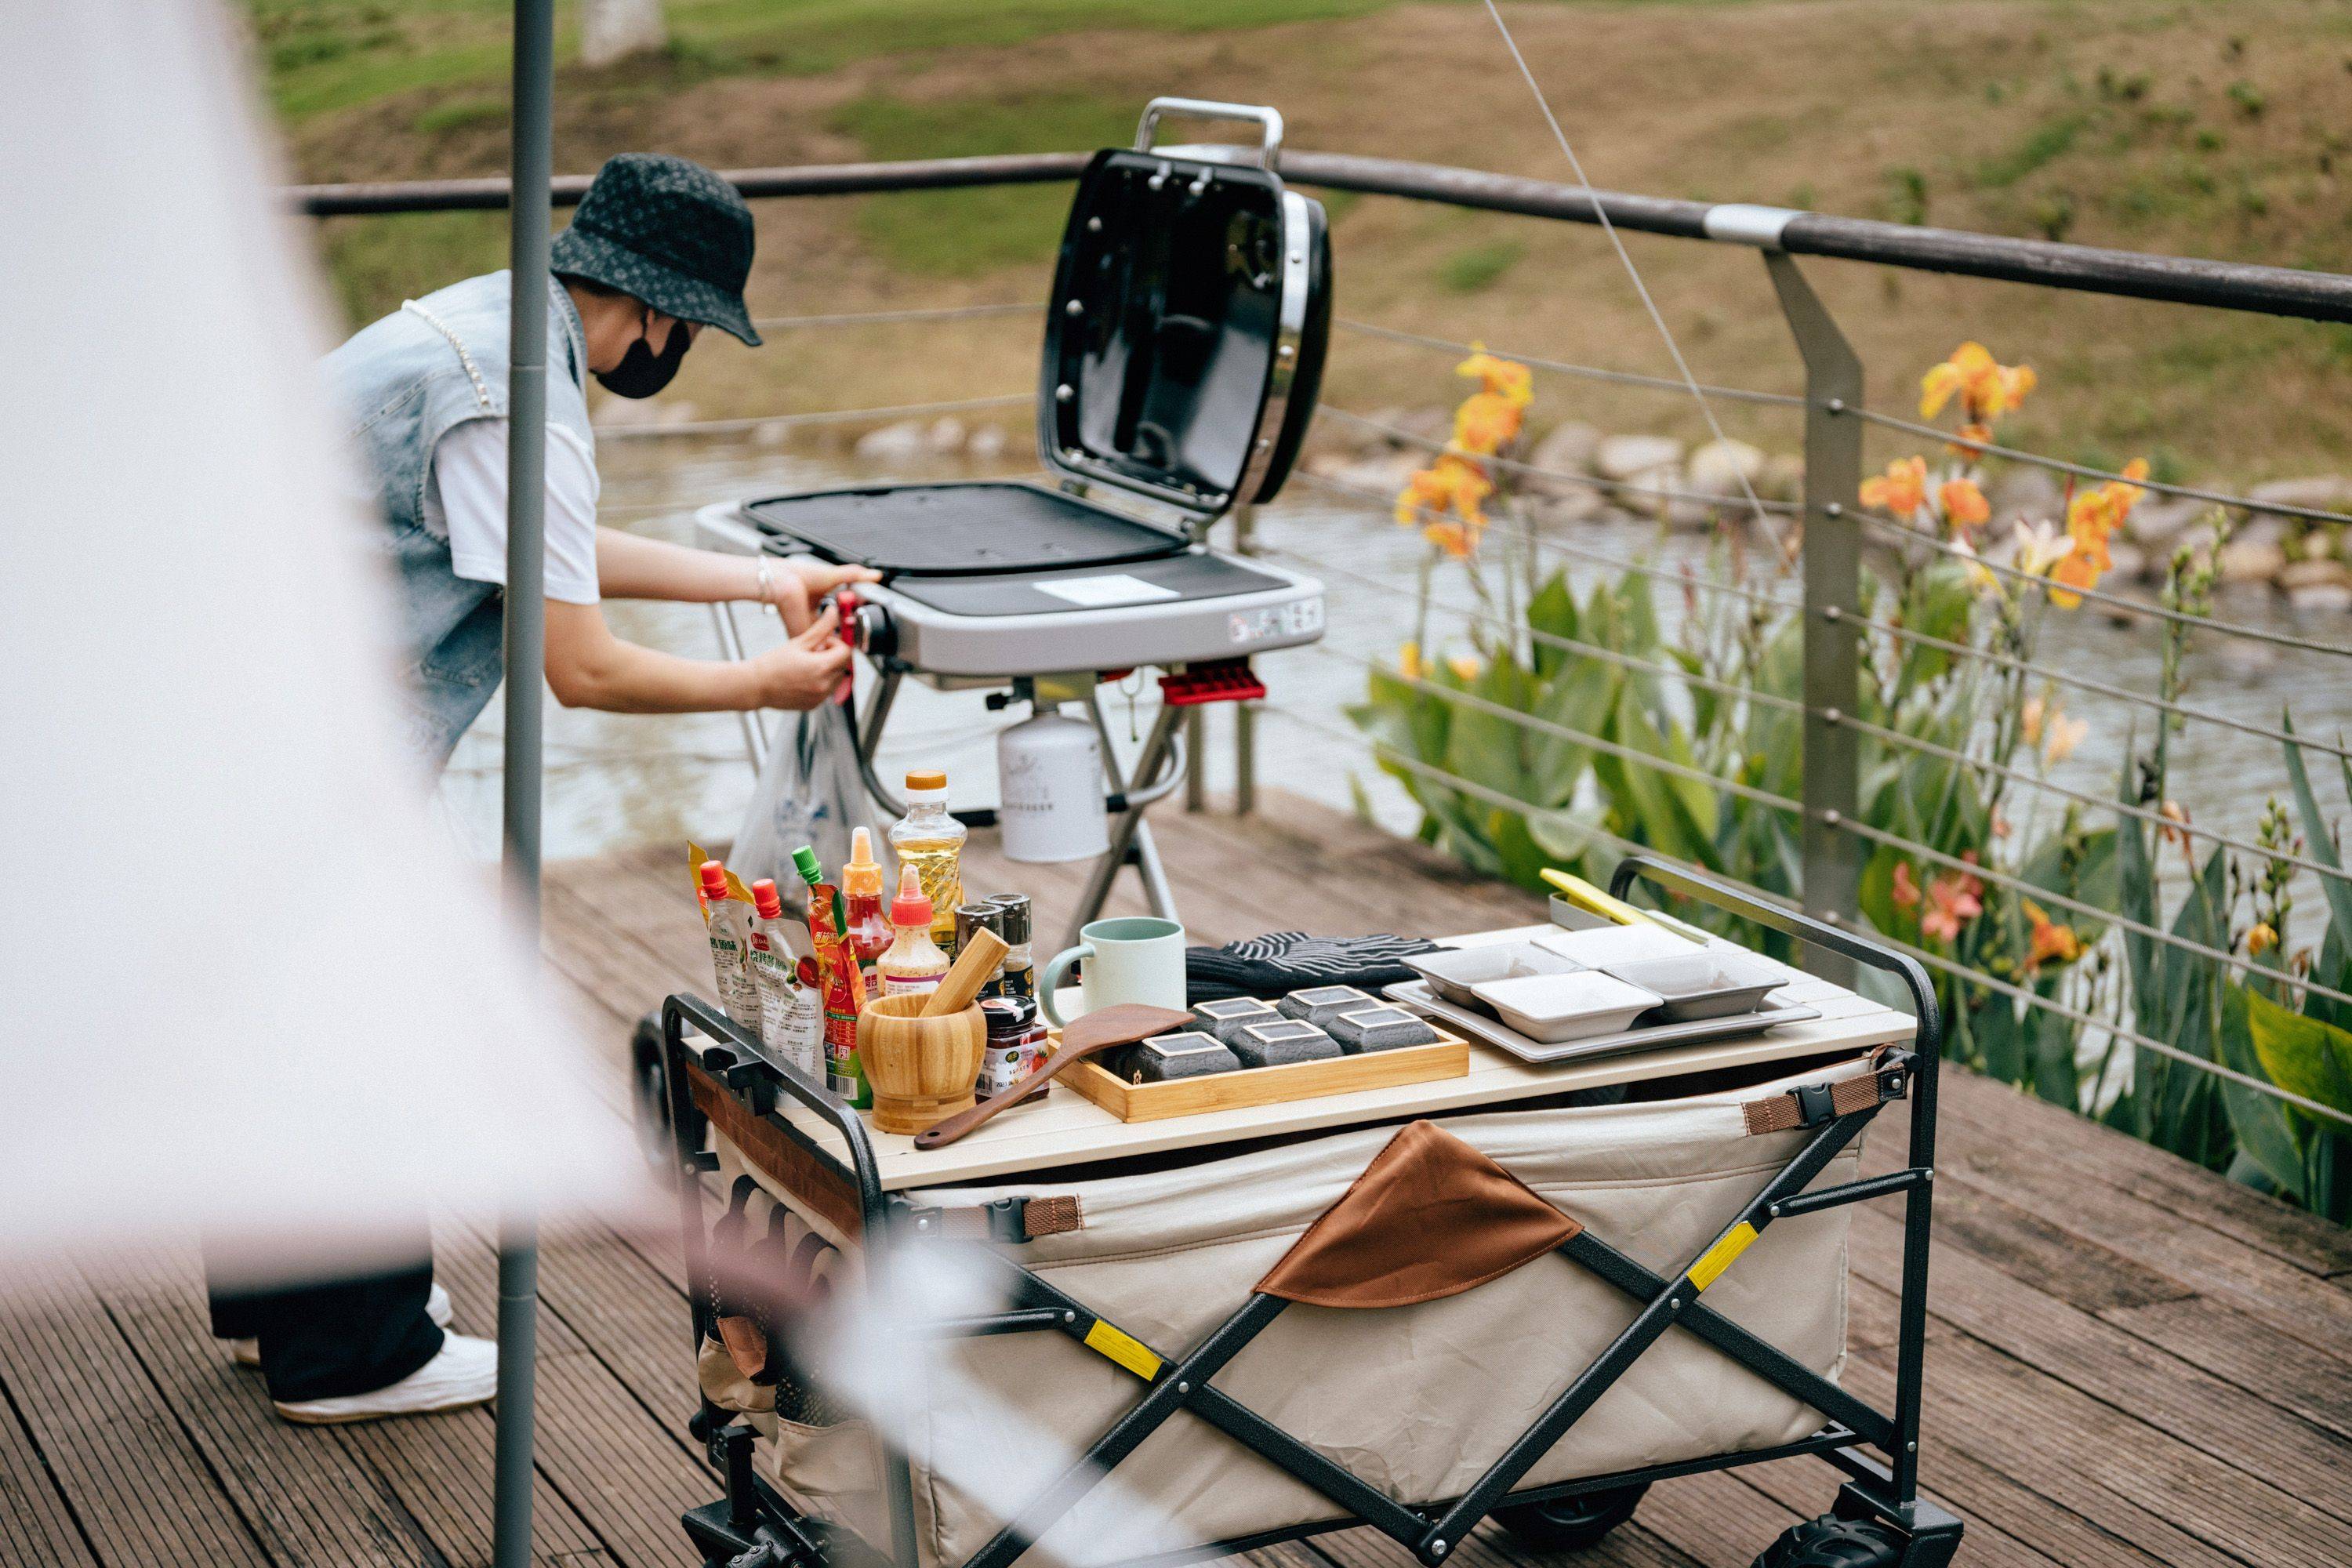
x,y
37,1523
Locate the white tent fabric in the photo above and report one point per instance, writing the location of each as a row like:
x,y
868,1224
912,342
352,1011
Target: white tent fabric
x,y
245,985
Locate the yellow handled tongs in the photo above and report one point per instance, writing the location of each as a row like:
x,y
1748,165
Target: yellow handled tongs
x,y
1592,900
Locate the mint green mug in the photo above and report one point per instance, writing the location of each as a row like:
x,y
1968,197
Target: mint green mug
x,y
1134,958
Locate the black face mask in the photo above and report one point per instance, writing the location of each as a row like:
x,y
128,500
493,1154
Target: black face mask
x,y
642,372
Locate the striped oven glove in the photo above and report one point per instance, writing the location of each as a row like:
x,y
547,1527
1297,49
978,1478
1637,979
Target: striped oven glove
x,y
1285,960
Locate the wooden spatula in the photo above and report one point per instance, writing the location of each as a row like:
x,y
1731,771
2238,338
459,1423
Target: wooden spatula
x,y
1089,1035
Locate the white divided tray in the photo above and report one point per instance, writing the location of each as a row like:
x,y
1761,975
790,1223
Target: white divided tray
x,y
1417,995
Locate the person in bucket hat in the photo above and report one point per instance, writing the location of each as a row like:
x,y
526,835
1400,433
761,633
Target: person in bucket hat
x,y
659,250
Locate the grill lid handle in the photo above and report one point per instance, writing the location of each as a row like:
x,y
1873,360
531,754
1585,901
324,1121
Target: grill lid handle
x,y
1269,121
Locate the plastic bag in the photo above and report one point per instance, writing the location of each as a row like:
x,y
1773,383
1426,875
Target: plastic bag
x,y
809,792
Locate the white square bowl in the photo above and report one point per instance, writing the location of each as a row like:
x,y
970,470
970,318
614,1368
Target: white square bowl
x,y
1451,971
1604,946
1712,983
1551,1008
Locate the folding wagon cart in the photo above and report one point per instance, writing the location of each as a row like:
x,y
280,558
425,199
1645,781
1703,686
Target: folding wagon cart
x,y
1533,1311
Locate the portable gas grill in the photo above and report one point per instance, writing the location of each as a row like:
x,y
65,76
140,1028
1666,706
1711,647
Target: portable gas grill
x,y
1183,349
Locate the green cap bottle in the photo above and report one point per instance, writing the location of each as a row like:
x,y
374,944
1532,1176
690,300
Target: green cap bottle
x,y
804,861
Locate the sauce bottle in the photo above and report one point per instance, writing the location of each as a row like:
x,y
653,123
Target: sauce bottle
x,y
861,887
845,990
791,1015
730,925
914,964
931,841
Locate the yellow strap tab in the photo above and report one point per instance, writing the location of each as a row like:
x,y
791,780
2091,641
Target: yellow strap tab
x,y
1127,1350
1718,1258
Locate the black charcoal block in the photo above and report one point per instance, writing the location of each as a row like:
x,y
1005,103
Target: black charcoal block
x,y
1380,1029
1276,1045
1167,1057
1224,1018
1318,1005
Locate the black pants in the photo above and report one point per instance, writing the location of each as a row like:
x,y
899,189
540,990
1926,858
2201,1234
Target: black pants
x,y
327,1339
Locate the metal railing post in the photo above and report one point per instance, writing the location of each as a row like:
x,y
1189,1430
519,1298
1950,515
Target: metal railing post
x,y
1830,856
1245,714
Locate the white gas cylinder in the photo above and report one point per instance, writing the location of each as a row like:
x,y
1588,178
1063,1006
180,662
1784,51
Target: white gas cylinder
x,y
1050,787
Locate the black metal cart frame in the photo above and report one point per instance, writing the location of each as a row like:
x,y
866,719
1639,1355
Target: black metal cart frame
x,y
1878,1451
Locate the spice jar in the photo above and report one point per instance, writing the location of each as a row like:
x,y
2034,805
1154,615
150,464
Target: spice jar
x,y
1016,1044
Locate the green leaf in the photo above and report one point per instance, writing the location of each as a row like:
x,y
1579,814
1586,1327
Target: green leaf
x,y
2320,844
2258,1119
2302,1055
1552,610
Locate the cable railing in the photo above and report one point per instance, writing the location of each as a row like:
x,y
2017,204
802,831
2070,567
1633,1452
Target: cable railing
x,y
1389,755
1839,627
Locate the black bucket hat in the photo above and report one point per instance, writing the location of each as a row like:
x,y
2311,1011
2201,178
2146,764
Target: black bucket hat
x,y
668,231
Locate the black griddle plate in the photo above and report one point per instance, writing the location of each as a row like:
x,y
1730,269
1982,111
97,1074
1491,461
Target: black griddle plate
x,y
1188,577
960,530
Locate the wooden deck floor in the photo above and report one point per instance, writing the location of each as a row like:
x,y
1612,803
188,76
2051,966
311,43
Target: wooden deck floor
x,y
2133,1361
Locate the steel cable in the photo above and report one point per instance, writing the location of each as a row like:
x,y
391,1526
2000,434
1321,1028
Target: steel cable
x,y
1587,372
823,417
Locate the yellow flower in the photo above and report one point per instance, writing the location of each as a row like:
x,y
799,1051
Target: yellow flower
x,y
1487,423
1965,507
1985,388
1464,667
2261,939
1506,379
1453,484
2065,734
1457,540
1409,663
2092,515
2075,572
1901,489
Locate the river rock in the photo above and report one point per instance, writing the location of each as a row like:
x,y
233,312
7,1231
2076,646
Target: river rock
x,y
946,436
2129,561
1659,493
1624,456
900,443
2031,493
1418,426
1565,505
2316,545
2321,492
1384,471
2262,528
1717,468
1567,448
2316,585
2157,523
988,443
2251,561
1783,478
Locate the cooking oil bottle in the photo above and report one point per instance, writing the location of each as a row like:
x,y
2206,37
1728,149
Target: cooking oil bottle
x,y
931,841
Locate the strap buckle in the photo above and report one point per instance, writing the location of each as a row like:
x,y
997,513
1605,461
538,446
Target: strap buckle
x,y
1008,1219
1814,1106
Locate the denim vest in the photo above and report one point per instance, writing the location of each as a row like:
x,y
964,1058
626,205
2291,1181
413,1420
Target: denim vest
x,y
404,383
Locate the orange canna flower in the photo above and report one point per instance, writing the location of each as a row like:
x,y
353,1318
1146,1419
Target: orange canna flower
x,y
1452,485
2049,940
1953,899
2261,939
1906,891
1464,667
2029,720
2065,734
2092,516
1969,440
1901,489
1458,540
1487,423
1965,507
2078,570
1986,389
1506,379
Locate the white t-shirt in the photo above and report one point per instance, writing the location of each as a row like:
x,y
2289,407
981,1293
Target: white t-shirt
x,y
465,498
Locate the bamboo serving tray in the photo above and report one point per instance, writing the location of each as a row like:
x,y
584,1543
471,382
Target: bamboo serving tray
x,y
1447,1057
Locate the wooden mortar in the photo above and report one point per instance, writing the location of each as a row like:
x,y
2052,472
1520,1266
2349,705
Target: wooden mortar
x,y
922,1071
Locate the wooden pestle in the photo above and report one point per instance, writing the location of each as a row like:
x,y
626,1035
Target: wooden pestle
x,y
975,966
1090,1034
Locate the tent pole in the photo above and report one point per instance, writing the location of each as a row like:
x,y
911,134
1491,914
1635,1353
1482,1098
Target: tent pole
x,y
534,65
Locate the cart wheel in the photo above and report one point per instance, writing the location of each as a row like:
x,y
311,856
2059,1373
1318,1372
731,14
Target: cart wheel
x,y
1572,1523
648,1077
1830,1541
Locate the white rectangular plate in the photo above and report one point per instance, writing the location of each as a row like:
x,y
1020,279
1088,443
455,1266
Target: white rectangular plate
x,y
1417,995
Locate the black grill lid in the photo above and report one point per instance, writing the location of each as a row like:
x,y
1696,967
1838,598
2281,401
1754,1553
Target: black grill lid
x,y
1185,337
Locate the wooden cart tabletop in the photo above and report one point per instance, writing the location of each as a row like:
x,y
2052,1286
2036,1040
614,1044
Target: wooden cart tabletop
x,y
1065,1130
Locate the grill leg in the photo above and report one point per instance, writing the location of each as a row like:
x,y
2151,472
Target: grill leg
x,y
1130,836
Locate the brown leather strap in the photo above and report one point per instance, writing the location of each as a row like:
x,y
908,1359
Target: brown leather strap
x,y
1039,1216
1810,1105
767,1150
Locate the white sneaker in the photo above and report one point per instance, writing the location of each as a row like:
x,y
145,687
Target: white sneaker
x,y
465,1373
247,1352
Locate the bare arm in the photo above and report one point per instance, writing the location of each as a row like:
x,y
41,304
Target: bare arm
x,y
630,567
588,666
